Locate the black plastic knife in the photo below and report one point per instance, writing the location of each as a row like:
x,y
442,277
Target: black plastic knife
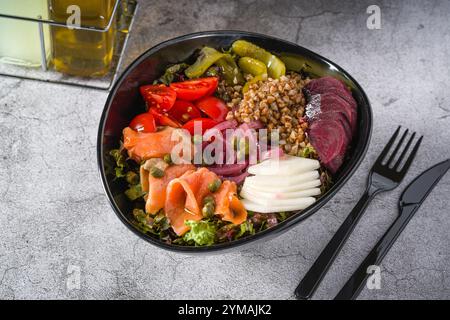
x,y
410,201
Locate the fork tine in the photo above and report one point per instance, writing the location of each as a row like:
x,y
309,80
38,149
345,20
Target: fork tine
x,y
411,156
405,150
388,146
400,142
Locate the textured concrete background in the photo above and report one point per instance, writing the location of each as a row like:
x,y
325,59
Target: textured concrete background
x,y
55,222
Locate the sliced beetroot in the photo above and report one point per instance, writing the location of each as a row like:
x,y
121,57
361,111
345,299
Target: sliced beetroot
x,y
330,102
317,84
329,139
331,85
344,94
314,112
341,119
332,116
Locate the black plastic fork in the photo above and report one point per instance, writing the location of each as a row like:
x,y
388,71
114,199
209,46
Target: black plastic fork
x,y
384,176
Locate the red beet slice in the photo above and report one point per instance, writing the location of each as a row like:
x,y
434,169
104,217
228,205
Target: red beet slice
x,y
332,116
329,139
341,119
330,102
331,85
327,81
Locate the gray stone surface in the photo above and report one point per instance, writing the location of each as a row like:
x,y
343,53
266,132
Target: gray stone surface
x,y
55,219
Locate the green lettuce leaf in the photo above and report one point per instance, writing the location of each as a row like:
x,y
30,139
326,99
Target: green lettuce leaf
x,y
203,233
245,228
171,73
308,152
120,161
134,192
157,224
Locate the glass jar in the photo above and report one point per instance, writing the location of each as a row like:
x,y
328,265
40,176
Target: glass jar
x,y
82,52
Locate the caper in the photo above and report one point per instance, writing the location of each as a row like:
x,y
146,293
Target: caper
x,y
208,199
208,210
215,185
156,172
132,177
167,159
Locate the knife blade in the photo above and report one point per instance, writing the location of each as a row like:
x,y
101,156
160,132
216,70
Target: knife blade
x,y
410,200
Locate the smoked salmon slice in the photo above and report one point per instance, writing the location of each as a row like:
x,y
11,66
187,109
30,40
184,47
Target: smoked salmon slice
x,y
143,146
228,205
156,187
184,198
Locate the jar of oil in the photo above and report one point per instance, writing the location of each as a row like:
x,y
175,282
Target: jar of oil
x,y
82,52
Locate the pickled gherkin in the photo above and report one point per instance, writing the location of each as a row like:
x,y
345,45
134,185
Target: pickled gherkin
x,y
252,66
255,68
275,67
294,63
208,56
230,70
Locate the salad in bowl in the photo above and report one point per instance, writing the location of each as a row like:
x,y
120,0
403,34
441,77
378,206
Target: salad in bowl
x,y
231,142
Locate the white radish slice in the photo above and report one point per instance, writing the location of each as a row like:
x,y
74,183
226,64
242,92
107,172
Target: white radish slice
x,y
285,158
298,187
282,181
254,195
284,166
302,204
278,202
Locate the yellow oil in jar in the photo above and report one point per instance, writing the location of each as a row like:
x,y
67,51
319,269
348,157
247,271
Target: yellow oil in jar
x,y
82,52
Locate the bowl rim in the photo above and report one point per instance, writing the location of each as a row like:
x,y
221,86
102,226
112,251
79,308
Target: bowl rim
x,y
281,227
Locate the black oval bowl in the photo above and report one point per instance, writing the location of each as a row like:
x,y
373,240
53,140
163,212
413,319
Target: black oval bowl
x,y
124,102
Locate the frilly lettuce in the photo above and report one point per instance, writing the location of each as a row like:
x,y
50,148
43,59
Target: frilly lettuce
x,y
245,228
203,233
308,152
121,164
134,192
172,74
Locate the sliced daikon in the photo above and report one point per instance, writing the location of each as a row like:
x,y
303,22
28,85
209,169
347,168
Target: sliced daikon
x,y
283,181
287,165
295,202
294,188
286,184
301,204
255,195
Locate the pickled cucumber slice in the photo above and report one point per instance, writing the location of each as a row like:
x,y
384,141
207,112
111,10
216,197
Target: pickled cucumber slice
x,y
252,66
275,67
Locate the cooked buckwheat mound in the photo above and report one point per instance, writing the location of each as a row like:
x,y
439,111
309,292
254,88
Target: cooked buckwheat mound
x,y
280,104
